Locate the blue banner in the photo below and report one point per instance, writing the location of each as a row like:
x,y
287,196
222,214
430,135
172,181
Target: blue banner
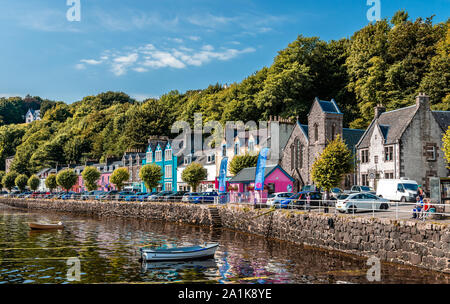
x,y
260,168
223,175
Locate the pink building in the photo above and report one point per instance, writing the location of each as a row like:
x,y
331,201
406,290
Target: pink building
x,y
242,185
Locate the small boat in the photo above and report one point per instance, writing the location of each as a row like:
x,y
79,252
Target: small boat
x,y
39,226
179,253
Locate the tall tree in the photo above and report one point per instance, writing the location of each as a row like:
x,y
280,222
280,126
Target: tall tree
x,y
33,182
193,174
50,182
9,180
151,174
91,177
119,176
21,182
66,179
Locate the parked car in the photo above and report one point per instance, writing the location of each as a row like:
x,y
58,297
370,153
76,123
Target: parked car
x,y
299,199
335,192
157,197
277,197
204,197
187,196
113,194
361,202
67,195
91,194
140,196
402,190
358,189
124,194
175,197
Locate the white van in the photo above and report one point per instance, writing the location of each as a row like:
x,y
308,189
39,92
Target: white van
x,y
403,190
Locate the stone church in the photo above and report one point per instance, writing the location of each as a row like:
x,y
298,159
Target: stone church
x,y
306,143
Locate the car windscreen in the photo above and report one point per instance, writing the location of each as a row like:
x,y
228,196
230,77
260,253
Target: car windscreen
x,y
411,187
365,188
343,196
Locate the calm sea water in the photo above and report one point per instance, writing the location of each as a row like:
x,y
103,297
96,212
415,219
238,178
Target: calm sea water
x,y
107,249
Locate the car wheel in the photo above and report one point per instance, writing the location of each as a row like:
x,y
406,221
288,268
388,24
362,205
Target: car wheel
x,y
351,209
403,199
384,206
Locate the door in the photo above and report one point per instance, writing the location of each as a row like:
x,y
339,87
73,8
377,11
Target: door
x,y
400,192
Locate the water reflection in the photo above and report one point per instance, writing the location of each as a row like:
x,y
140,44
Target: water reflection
x,y
108,249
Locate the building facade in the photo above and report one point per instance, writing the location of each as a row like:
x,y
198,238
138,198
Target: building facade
x,y
32,115
307,141
404,143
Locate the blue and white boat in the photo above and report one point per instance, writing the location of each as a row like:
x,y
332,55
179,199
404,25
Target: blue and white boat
x,y
179,253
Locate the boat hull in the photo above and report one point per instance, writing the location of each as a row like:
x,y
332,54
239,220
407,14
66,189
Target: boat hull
x,y
36,226
204,253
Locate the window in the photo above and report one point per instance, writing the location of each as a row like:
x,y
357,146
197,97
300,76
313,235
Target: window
x,y
389,175
333,131
168,154
158,155
168,186
251,146
388,153
316,132
364,180
297,144
430,152
168,171
211,158
292,157
236,149
375,159
224,150
364,156
300,161
187,159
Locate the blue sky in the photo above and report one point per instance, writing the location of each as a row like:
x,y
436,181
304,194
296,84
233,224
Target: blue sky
x,y
147,48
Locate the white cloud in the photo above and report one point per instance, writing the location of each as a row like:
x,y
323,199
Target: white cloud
x,y
194,38
91,61
177,40
142,59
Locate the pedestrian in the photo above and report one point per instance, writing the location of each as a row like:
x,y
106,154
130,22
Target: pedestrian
x,y
420,192
308,201
418,207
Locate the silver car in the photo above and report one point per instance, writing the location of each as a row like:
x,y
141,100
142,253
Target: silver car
x,y
360,202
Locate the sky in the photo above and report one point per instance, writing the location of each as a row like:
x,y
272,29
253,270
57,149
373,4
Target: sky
x,y
147,48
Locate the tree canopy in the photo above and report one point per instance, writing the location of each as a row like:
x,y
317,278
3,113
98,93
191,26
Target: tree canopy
x,y
151,174
193,174
119,176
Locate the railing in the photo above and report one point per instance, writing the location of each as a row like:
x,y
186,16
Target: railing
x,y
375,208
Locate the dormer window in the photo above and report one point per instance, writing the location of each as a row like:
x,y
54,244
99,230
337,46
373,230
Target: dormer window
x,y
149,157
236,149
158,155
224,150
168,154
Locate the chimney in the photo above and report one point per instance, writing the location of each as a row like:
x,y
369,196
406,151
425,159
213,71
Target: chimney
x,y
422,100
379,109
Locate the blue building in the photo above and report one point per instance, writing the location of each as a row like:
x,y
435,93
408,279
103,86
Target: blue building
x,y
159,152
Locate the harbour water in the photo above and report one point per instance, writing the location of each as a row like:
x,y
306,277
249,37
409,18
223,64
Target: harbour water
x,y
107,251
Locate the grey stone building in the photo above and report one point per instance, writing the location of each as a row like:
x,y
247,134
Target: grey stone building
x,y
306,143
403,143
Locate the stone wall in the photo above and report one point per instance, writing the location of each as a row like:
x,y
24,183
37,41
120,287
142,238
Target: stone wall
x,y
425,245
419,244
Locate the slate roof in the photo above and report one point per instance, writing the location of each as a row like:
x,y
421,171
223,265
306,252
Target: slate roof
x,y
351,137
443,119
248,174
393,124
329,106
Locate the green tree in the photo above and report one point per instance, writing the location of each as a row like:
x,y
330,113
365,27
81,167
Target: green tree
x,y
50,182
91,176
193,174
21,182
240,162
151,174
119,176
33,182
335,161
446,144
66,179
2,174
9,180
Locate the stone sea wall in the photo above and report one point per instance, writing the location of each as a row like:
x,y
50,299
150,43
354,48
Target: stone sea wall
x,y
425,245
